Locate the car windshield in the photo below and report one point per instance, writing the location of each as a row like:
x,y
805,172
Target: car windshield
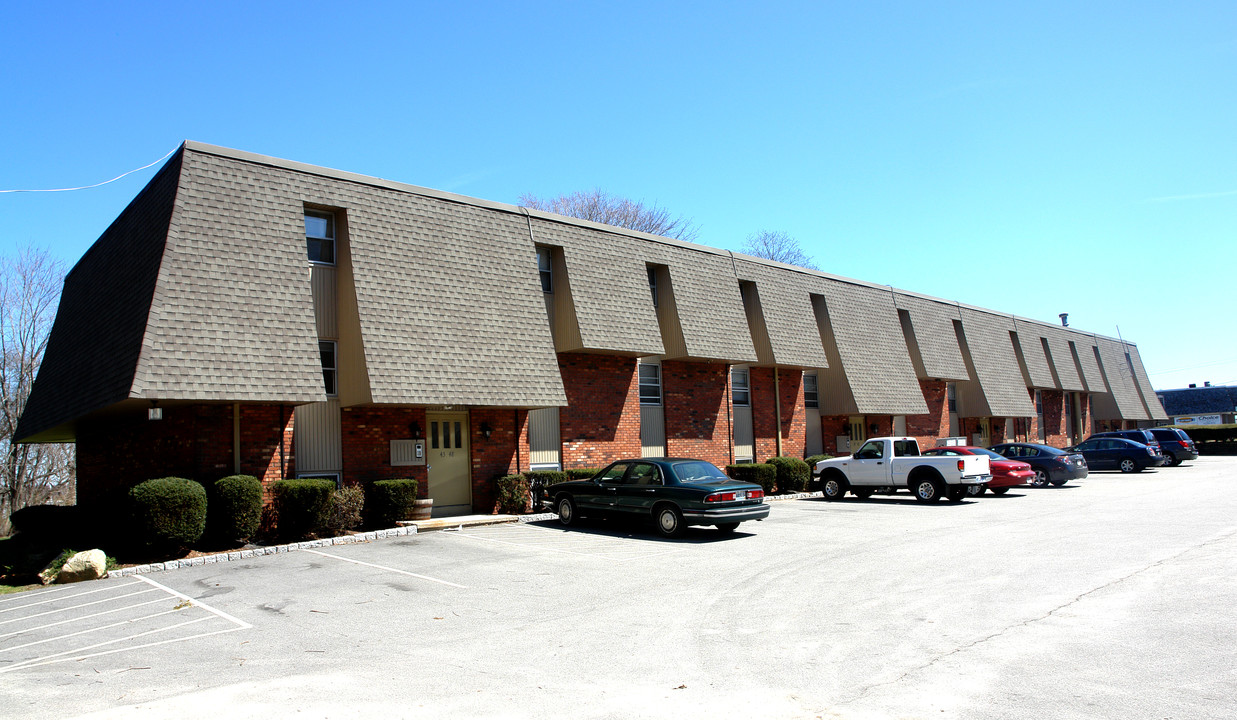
x,y
698,471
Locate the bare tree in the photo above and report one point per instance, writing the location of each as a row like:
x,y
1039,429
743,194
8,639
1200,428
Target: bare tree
x,y
600,206
777,245
29,292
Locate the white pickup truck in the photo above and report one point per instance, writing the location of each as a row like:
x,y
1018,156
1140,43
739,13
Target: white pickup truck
x,y
883,465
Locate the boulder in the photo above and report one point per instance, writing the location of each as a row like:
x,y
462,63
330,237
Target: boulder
x,y
87,565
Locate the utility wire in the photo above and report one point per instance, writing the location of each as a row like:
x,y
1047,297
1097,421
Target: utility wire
x,y
87,187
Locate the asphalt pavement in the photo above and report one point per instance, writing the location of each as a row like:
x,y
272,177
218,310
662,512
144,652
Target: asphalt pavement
x,y
1111,597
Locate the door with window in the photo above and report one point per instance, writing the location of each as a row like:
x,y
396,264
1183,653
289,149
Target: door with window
x,y
447,463
652,413
741,402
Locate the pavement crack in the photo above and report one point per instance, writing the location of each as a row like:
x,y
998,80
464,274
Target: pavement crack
x,y
1031,621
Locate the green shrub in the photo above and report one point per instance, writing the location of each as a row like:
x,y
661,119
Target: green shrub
x,y
792,473
512,493
169,514
46,521
582,473
389,501
547,477
763,475
344,512
301,505
235,508
813,459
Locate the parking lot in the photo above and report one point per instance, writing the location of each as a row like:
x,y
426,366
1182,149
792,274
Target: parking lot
x,y
1111,597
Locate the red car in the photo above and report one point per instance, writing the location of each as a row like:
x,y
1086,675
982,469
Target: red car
x,y
1006,473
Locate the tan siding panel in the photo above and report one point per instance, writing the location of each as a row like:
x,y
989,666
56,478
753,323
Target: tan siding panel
x,y
652,431
318,437
323,281
544,438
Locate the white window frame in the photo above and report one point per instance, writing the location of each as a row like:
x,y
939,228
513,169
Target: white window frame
x,y
811,398
328,240
640,370
545,269
745,388
333,369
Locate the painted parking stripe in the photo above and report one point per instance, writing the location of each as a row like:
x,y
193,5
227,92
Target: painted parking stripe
x,y
87,631
607,547
197,603
81,618
43,599
388,569
75,607
60,656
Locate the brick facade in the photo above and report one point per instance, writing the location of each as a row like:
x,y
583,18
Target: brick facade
x,y
696,397
367,434
928,428
601,422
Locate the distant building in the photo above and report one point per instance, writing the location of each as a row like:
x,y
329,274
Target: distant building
x,y
1204,405
246,314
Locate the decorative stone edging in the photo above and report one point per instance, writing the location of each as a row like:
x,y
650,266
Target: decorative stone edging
x,y
266,550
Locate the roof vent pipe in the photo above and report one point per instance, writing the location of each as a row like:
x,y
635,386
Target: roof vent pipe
x,y
1064,319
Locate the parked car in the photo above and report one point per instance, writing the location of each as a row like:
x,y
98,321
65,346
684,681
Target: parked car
x,y
884,465
1117,453
1176,446
1006,473
673,492
1141,436
1051,465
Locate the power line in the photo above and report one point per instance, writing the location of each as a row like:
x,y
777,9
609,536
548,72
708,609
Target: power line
x,y
87,187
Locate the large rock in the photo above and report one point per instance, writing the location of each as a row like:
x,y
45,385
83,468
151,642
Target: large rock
x,y
88,565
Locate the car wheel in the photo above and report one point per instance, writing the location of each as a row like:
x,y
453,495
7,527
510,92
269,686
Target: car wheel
x,y
1171,461
1000,491
669,520
566,508
833,487
1041,478
727,527
1059,483
956,492
862,494
1128,466
928,490
975,490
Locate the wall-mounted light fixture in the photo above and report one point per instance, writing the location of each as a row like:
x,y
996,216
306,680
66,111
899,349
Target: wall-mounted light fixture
x,y
873,428
154,412
486,430
414,429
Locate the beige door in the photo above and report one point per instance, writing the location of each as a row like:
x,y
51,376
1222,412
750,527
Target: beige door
x,y
447,463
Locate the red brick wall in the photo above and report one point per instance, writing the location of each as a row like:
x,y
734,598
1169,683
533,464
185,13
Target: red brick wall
x,y
601,423
794,421
499,455
1054,417
367,435
696,397
831,426
935,424
124,448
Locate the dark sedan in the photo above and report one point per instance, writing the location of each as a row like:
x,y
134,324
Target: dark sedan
x,y
1051,465
1114,453
672,492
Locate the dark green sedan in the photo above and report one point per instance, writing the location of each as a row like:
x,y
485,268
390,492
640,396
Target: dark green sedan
x,y
672,492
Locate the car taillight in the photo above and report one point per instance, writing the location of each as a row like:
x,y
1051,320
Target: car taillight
x,y
1183,445
720,497
960,464
755,494
1151,450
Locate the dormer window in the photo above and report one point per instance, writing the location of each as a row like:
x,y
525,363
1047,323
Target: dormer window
x,y
653,284
545,269
320,236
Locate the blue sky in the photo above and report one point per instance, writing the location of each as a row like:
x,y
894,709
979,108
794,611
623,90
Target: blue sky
x,y
1072,157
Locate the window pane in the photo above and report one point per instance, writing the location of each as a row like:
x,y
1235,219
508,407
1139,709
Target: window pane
x,y
319,225
434,435
459,437
653,285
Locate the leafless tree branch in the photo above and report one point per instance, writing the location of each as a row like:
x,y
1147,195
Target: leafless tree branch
x,y
777,245
600,206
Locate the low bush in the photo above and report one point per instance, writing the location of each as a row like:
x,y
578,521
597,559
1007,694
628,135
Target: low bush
x,y
235,509
301,506
512,491
45,521
811,461
762,474
169,514
582,473
389,501
792,473
546,477
344,512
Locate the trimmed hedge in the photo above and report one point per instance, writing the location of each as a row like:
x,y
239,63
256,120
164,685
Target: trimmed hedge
x,y
301,505
43,521
547,477
792,473
235,508
582,473
169,514
762,474
513,494
811,461
389,501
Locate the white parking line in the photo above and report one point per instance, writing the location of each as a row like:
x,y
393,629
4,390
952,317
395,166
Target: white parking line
x,y
81,618
243,625
605,547
75,607
44,600
59,657
388,569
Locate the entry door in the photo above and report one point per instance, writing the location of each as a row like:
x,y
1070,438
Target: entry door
x,y
744,435
447,463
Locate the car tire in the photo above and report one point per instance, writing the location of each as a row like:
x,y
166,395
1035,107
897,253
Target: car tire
x,y
956,493
863,494
1040,479
727,527
975,490
566,508
928,490
833,487
1129,465
1059,483
1000,491
1171,461
669,520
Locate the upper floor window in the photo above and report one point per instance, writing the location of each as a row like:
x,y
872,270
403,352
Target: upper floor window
x,y
330,368
951,392
739,388
320,236
650,384
653,284
545,269
811,396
